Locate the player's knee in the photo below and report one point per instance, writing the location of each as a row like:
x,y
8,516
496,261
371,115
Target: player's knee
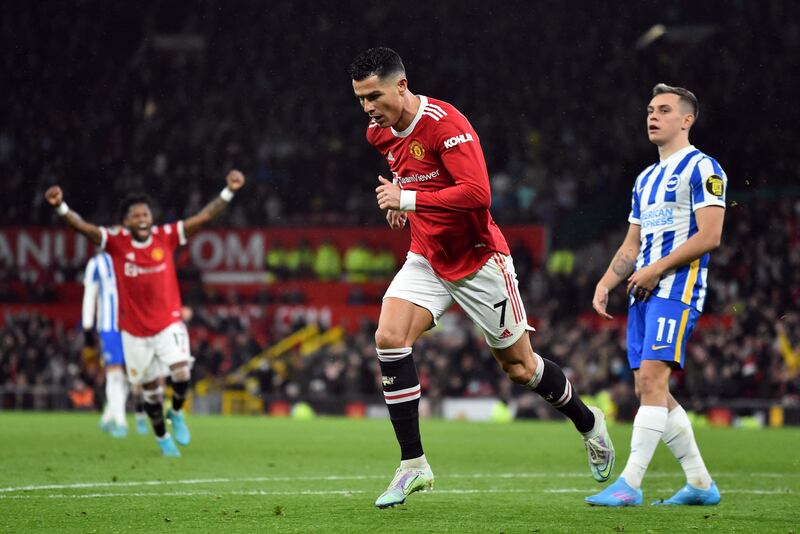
x,y
389,339
153,396
650,383
517,372
180,374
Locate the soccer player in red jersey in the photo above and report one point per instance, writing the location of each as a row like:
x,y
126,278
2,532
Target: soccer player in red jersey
x,y
458,254
155,340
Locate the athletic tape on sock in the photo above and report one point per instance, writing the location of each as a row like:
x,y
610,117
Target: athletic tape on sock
x,y
537,374
392,355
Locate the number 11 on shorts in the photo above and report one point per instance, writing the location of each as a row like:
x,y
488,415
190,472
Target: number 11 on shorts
x,y
662,321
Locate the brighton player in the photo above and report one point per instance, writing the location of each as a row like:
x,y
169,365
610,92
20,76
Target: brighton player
x,y
100,312
676,219
457,254
154,339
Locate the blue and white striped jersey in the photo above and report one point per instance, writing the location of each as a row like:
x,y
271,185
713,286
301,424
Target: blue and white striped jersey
x,y
665,197
100,298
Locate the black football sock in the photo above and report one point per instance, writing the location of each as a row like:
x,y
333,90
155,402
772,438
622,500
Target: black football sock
x,y
550,382
179,390
156,414
138,403
401,391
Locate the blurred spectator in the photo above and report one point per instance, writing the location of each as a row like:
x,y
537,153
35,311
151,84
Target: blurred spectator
x,y
328,262
383,265
275,259
358,262
300,260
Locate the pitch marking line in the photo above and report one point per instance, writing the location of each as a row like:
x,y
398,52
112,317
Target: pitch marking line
x,y
780,491
342,493
198,481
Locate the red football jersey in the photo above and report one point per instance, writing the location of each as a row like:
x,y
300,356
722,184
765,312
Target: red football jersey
x,y
439,156
149,298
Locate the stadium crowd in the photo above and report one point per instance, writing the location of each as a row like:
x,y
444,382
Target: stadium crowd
x,y
166,97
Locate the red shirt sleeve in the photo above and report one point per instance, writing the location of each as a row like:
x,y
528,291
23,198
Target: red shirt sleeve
x,y
111,239
459,148
173,235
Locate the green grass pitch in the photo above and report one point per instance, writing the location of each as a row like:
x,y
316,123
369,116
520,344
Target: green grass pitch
x,y
59,473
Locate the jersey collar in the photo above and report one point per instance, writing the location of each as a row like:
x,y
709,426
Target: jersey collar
x,y
677,156
142,244
423,101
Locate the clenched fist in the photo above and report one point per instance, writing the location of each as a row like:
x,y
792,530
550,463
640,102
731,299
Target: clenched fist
x,y
235,180
54,195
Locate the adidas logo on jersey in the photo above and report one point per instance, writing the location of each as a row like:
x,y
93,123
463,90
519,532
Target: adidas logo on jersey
x,y
457,139
130,256
390,157
506,333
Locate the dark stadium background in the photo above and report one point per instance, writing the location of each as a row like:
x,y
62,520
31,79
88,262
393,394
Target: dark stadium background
x,y
107,97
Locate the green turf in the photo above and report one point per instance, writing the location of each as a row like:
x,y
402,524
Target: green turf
x,y
256,474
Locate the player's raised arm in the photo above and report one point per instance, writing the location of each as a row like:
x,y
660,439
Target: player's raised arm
x,y
618,271
235,180
55,197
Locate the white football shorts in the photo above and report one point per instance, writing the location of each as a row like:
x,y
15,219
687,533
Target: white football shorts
x,y
149,358
489,296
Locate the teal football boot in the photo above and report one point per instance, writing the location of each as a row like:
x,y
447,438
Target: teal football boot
x,y
168,447
179,428
617,494
692,496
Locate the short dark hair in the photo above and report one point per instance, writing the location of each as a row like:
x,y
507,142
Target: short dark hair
x,y
685,95
380,61
130,199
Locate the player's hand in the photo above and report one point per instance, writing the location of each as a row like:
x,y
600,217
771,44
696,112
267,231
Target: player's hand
x,y
54,195
388,194
235,180
396,219
642,282
600,301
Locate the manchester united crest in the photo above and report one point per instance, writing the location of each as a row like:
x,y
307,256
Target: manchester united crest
x,y
417,150
157,254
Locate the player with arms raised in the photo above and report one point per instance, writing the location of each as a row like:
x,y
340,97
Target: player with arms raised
x,y
678,207
457,254
155,340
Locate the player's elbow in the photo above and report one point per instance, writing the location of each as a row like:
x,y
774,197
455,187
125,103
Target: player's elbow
x,y
482,200
713,241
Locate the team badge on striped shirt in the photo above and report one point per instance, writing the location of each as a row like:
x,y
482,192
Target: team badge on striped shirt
x,y
715,185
